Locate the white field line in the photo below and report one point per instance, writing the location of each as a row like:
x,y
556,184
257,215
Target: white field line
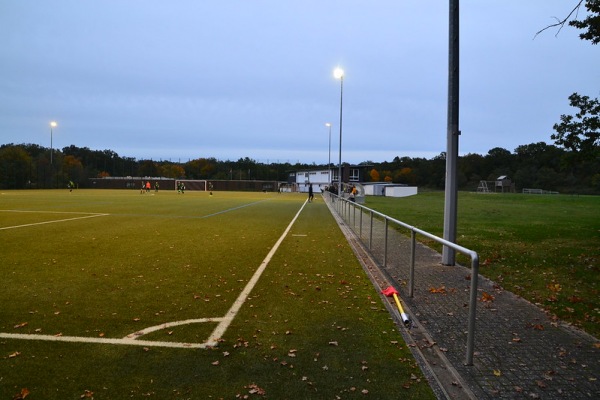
x,y
50,222
166,325
82,339
222,327
132,339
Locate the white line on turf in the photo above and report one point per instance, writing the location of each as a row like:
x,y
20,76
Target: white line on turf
x,y
166,325
222,327
50,222
132,339
82,339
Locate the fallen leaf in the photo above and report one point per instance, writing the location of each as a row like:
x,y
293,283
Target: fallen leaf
x,y
541,384
497,372
215,363
255,389
22,395
13,355
486,297
555,287
22,324
87,394
441,290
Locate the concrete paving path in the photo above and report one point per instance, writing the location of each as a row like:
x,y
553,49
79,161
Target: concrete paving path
x,y
521,352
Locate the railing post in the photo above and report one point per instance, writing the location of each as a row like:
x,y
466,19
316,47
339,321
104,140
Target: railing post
x,y
472,308
371,232
385,244
411,275
360,229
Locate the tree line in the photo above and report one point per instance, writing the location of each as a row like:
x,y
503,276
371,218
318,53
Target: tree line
x,y
537,165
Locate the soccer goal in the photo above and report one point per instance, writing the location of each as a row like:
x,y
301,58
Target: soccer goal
x,y
192,184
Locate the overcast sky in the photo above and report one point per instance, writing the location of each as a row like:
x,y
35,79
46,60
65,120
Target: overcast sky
x,y
183,79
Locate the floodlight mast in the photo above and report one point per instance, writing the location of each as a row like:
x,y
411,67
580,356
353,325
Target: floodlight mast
x,y
327,124
338,73
53,124
451,195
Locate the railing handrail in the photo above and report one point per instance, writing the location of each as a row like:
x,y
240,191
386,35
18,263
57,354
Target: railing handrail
x,y
461,249
438,239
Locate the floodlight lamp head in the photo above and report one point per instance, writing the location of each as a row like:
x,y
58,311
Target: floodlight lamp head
x,y
53,124
338,73
327,124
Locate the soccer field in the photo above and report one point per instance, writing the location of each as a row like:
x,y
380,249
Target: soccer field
x,y
122,294
117,267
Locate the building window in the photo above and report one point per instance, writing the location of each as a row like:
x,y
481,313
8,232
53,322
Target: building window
x,y
354,175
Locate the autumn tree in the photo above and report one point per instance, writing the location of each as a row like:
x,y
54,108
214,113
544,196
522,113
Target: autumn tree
x,y
172,171
374,174
72,168
406,175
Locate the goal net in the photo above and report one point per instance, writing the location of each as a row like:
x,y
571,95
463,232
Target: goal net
x,y
191,184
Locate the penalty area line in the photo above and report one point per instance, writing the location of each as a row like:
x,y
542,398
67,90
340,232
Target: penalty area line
x,y
235,308
82,339
54,221
131,339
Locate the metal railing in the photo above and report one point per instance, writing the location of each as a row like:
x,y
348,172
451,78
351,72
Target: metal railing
x,y
348,211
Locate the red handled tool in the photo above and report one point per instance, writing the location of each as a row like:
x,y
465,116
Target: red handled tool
x,y
391,291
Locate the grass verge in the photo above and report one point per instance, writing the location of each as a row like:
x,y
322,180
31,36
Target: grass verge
x,y
543,248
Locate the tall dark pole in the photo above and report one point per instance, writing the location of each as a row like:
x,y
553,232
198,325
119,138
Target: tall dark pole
x,y
339,73
329,159
451,194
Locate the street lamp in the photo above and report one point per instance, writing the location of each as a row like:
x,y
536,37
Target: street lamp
x,y
327,124
338,73
53,124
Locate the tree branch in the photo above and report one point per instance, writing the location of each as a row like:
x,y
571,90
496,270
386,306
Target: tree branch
x,y
559,22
